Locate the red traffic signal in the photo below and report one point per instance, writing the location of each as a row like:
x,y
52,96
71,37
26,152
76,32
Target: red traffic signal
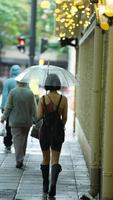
x,y
21,44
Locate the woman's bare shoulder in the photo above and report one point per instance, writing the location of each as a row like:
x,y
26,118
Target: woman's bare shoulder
x,y
42,98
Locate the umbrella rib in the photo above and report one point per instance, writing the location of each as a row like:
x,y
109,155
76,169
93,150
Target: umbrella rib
x,y
44,78
66,79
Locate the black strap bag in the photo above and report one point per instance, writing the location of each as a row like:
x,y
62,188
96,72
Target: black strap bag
x,y
53,127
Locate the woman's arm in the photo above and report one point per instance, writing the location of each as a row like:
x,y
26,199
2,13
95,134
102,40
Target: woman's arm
x,y
40,109
65,111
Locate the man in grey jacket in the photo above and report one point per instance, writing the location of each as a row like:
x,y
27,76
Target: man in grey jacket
x,y
8,85
21,110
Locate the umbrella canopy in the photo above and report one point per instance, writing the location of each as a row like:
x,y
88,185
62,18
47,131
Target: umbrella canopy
x,y
41,72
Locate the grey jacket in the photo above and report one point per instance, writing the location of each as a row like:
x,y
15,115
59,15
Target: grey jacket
x,y
20,108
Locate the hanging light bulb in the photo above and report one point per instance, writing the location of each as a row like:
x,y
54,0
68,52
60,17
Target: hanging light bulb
x,y
81,22
104,23
45,4
109,12
109,3
109,8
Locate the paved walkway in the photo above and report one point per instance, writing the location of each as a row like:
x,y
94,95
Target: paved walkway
x,y
26,184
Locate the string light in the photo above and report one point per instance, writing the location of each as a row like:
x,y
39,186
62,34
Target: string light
x,y
70,15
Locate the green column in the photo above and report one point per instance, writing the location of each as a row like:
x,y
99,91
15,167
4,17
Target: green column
x,y
107,172
96,113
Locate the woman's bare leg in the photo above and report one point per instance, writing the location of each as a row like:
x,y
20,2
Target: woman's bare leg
x,y
55,155
46,157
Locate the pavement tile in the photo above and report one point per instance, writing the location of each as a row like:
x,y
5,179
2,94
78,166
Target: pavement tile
x,y
7,194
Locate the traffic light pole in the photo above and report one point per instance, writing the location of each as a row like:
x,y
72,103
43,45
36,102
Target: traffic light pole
x,y
32,32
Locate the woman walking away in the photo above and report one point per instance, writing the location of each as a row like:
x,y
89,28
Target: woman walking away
x,y
51,138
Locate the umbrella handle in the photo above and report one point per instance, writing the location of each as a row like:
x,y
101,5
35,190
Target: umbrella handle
x,y
48,67
48,63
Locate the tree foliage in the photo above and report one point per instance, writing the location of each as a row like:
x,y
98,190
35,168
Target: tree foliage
x,y
13,20
46,20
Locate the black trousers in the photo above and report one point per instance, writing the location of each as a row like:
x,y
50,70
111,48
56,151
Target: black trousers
x,y
8,138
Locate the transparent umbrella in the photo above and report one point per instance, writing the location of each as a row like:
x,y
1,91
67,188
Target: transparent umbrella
x,y
41,72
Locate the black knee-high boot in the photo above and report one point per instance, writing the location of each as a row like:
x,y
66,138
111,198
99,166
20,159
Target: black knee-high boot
x,y
56,169
45,175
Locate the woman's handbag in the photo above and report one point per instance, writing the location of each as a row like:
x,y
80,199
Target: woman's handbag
x,y
35,131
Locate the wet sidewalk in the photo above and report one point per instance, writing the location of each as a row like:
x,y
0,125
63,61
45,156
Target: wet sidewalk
x,y
26,183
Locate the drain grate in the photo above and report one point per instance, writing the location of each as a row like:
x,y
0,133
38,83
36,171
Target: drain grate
x,y
7,194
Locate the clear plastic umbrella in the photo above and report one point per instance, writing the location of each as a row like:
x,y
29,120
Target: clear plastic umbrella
x,y
41,72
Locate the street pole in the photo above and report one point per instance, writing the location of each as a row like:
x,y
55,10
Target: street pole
x,y
1,46
32,32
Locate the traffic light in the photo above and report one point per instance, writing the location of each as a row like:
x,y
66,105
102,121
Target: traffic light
x,y
69,41
44,45
21,44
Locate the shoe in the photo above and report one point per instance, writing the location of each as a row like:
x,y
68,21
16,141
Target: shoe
x,y
8,149
56,169
45,176
19,165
